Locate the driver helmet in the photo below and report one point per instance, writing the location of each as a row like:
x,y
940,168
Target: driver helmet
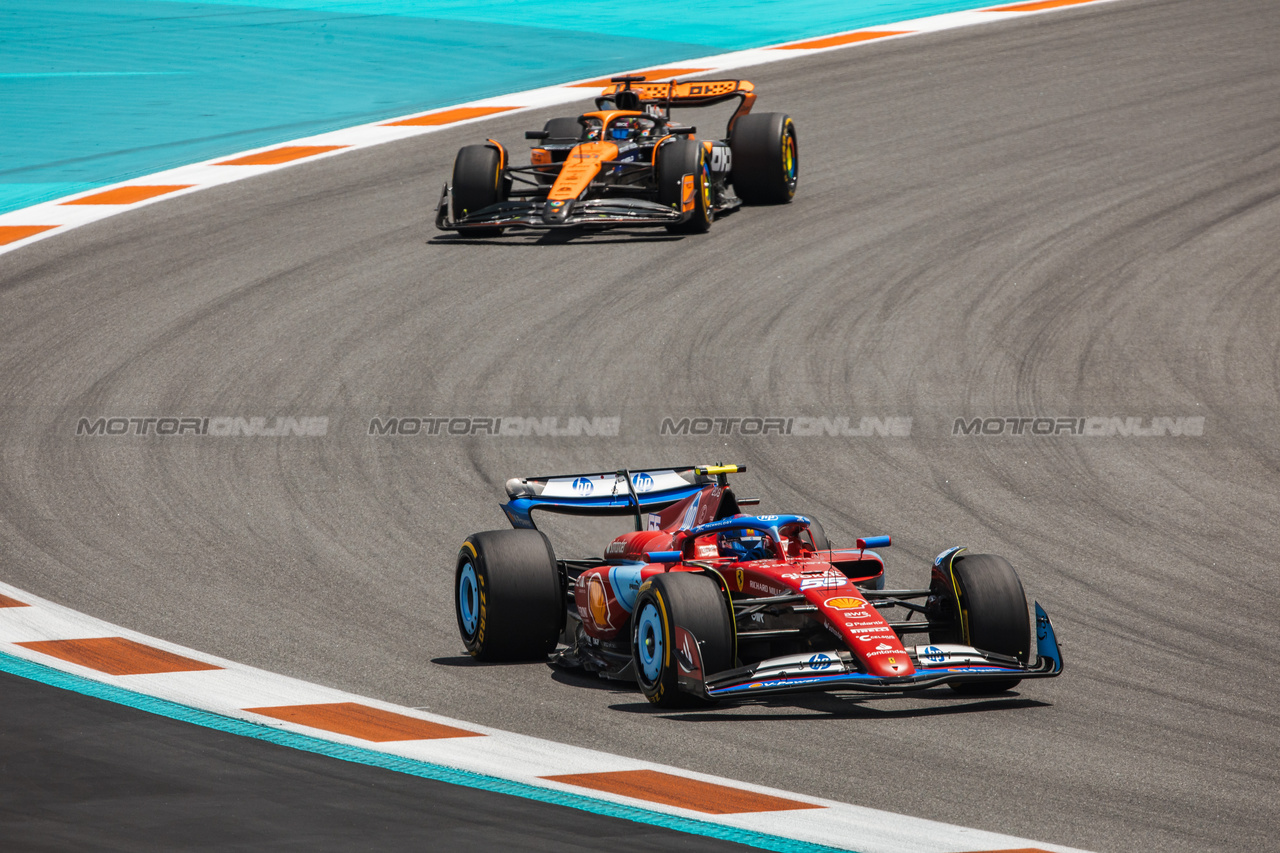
x,y
626,128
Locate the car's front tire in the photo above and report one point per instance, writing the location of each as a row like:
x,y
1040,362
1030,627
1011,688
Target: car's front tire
x,y
508,595
676,160
694,602
990,614
477,183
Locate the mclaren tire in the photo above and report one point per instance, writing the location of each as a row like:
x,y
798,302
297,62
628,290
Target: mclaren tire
x,y
766,158
677,161
477,183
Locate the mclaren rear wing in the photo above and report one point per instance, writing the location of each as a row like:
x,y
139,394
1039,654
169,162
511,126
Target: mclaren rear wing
x,y
701,93
698,94
609,493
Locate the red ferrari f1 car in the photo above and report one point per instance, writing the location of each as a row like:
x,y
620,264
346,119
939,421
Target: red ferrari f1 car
x,y
628,163
703,601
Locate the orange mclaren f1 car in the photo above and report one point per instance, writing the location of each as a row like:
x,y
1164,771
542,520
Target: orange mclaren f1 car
x,y
628,164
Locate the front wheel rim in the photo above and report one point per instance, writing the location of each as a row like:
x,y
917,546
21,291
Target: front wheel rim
x,y
790,160
468,599
706,191
649,643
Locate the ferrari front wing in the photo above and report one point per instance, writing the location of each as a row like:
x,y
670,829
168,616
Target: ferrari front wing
x,y
825,671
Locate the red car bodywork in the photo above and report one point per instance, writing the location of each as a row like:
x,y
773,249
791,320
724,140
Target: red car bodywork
x,y
827,579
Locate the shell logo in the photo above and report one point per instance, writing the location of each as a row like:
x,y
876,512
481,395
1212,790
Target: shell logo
x,y
845,603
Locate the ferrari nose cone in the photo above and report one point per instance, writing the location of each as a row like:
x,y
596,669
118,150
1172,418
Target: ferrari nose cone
x,y
556,212
890,665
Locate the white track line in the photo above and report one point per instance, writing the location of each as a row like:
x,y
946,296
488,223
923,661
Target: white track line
x,y
231,689
61,215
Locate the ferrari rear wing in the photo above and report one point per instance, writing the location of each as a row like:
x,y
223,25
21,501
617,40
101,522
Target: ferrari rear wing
x,y
608,493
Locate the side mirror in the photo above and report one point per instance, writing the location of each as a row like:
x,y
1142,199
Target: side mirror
x,y
874,542
536,134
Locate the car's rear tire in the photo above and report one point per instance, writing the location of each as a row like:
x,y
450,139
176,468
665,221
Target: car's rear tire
x,y
675,160
696,603
991,614
477,183
766,158
508,595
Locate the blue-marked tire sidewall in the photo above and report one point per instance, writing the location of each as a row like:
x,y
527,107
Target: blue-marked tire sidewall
x,y
521,595
468,599
651,638
696,602
650,645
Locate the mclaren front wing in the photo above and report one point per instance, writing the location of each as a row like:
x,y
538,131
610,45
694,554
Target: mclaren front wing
x,y
583,213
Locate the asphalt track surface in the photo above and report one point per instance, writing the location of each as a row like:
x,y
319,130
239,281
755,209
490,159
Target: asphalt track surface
x,y
190,788
1071,215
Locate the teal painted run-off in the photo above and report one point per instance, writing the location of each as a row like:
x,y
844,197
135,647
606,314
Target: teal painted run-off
x,y
343,752
94,92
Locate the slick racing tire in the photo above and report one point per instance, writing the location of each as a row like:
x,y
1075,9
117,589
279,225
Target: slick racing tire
x,y
563,130
676,160
477,183
766,158
694,602
508,595
993,607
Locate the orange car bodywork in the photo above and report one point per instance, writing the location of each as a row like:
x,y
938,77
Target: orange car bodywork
x,y
580,168
586,159
598,179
